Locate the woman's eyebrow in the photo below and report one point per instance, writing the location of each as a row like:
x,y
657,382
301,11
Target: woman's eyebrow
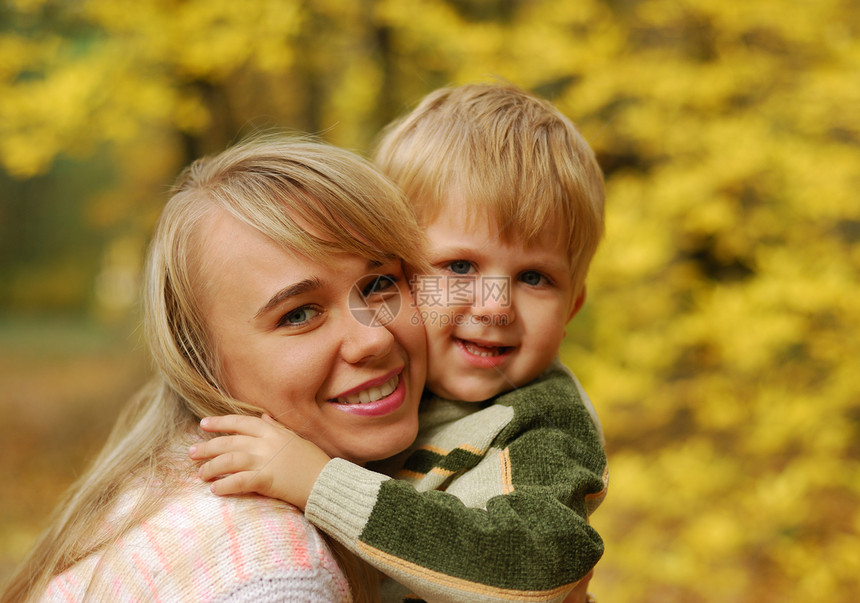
x,y
309,284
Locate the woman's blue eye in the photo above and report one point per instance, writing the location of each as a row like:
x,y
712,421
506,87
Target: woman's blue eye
x,y
460,267
533,278
299,316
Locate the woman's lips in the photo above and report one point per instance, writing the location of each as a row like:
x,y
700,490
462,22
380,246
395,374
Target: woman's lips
x,y
374,398
368,384
369,394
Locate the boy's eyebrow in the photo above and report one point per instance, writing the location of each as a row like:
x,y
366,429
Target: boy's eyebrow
x,y
550,261
453,249
308,284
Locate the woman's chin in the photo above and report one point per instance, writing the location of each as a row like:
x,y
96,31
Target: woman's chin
x,y
383,445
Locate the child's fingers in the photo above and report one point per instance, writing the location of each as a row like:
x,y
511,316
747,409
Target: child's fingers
x,y
220,445
237,483
242,424
230,462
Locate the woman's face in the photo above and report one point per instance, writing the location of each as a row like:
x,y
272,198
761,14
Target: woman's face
x,y
298,339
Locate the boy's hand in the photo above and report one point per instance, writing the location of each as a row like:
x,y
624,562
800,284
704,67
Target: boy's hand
x,y
263,457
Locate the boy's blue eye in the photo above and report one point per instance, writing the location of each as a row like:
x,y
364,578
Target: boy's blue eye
x,y
533,278
299,316
379,284
460,267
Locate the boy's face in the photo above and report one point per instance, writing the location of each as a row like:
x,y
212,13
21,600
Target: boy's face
x,y
494,312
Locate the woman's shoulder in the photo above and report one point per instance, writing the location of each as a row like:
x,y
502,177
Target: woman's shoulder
x,y
257,543
202,547
255,525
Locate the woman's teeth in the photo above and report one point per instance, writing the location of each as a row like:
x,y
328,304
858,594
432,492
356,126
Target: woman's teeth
x,y
371,394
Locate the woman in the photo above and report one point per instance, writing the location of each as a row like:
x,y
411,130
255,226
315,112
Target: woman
x,y
262,273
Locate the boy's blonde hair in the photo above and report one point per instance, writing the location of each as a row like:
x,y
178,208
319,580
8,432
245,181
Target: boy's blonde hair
x,y
510,156
310,197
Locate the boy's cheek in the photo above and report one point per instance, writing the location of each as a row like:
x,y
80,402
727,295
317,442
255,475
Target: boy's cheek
x,y
436,314
438,320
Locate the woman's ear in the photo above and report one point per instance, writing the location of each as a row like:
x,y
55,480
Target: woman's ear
x,y
577,305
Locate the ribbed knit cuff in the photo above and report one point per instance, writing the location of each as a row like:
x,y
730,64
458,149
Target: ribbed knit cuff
x,y
342,500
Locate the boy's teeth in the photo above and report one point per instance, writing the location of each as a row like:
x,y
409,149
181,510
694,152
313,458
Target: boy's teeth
x,y
371,394
480,350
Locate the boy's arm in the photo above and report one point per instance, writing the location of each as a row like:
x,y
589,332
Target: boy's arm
x,y
532,540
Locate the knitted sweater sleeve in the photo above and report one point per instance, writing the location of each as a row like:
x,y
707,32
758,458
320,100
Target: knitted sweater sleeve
x,y
512,523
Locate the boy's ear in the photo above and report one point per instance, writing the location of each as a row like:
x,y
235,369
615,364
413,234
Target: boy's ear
x,y
577,305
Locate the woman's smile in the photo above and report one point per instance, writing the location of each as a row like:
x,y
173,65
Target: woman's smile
x,y
375,401
371,391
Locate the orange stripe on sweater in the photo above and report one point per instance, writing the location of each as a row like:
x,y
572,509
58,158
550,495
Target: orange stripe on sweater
x,y
459,584
507,479
602,493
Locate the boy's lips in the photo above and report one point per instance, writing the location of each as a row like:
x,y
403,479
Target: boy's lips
x,y
483,349
483,353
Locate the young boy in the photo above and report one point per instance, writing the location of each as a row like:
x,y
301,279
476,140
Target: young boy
x,y
492,500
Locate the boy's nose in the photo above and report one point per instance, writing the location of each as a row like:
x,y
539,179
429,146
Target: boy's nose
x,y
494,309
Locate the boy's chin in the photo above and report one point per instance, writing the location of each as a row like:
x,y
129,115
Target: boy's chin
x,y
467,392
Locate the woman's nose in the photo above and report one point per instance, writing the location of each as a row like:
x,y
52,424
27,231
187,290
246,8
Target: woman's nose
x,y
365,339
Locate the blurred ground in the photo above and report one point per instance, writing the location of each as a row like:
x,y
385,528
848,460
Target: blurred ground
x,y
62,383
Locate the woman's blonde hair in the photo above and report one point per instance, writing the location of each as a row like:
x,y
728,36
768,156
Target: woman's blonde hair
x,y
308,196
509,156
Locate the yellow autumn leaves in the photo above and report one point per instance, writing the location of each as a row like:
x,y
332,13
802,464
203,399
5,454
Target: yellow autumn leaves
x,y
720,339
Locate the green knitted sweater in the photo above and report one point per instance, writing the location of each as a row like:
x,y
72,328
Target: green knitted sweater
x,y
490,503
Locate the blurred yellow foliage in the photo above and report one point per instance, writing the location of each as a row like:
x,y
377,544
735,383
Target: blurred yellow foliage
x,y
721,335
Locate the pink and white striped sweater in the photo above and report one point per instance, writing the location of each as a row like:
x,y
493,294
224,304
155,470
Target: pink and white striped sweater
x,y
202,547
